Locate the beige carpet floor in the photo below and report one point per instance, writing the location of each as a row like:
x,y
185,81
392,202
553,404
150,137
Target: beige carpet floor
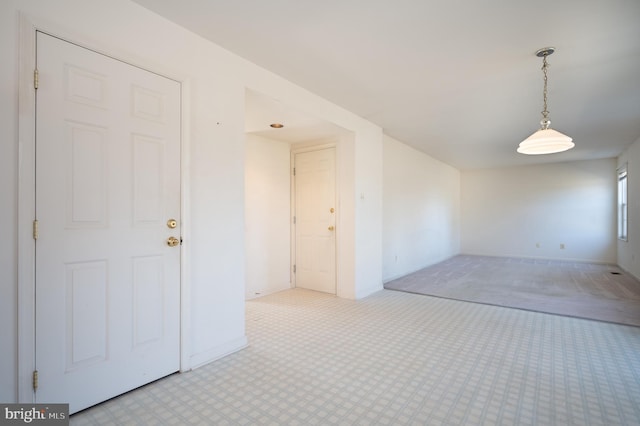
x,y
583,290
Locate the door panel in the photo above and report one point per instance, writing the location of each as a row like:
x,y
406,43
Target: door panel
x,y
107,181
86,148
86,325
315,220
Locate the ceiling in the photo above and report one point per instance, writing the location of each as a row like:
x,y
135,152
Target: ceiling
x,y
456,79
261,111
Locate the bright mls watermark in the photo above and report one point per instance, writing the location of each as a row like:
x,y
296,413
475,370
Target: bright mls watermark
x,y
36,414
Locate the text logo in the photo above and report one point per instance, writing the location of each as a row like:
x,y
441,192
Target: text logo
x,y
35,414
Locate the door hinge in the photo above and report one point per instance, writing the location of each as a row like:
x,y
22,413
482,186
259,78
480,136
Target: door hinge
x,y
35,229
36,79
35,380
294,269
294,220
294,171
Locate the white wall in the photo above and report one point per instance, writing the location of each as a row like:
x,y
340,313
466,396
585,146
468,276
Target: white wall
x,y
629,251
8,204
421,210
267,216
506,212
368,212
214,92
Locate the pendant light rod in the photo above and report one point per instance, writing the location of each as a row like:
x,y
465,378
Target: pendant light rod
x,y
543,53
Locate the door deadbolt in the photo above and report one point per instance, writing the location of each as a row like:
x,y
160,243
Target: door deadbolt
x,y
331,228
172,241
172,223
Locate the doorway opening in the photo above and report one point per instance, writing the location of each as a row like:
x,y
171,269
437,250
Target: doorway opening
x,y
272,259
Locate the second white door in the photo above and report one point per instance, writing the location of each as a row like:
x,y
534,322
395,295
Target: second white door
x,y
315,220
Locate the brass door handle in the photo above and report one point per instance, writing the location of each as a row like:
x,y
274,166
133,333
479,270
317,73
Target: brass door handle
x,y
172,241
331,228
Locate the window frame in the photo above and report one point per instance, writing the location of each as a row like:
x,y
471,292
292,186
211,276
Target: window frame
x,y
623,191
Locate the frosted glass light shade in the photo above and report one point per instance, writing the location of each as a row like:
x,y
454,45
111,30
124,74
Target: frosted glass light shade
x,y
545,141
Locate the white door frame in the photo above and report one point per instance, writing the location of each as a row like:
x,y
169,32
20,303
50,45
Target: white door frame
x,y
26,201
308,148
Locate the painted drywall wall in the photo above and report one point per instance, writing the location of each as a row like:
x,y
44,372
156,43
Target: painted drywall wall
x,y
554,211
629,251
8,205
368,218
267,216
214,82
346,217
421,210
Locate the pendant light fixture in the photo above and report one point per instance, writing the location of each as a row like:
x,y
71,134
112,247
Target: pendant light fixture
x,y
546,140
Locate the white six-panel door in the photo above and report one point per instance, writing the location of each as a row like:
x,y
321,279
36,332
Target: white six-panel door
x,y
107,183
315,212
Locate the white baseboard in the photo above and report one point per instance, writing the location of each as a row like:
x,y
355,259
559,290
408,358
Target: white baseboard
x,y
203,358
629,273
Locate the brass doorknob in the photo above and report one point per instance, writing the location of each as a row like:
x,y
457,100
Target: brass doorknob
x,y
172,241
331,228
172,223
